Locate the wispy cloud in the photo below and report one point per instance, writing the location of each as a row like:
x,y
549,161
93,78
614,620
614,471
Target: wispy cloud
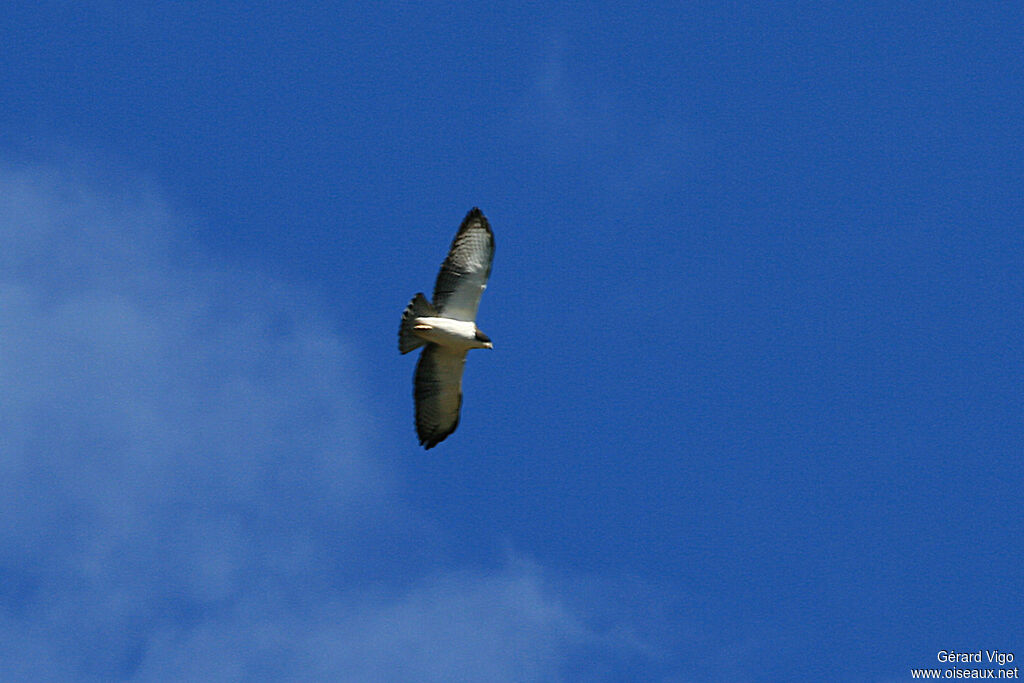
x,y
572,115
169,432
186,481
452,626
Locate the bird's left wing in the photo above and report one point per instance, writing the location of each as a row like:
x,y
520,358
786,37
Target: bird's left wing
x,y
438,393
464,273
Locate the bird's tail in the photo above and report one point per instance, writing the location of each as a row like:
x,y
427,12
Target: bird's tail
x,y
419,307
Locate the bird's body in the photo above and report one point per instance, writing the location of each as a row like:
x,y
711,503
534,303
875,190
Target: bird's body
x,y
450,333
448,329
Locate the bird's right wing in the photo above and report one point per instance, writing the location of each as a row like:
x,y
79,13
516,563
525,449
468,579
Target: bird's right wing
x,y
438,393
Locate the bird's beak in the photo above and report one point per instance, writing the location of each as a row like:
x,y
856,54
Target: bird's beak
x,y
490,345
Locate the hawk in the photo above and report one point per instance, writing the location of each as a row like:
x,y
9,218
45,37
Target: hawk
x,y
448,329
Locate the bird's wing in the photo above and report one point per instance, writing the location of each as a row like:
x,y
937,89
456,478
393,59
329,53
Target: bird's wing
x,y
464,273
438,393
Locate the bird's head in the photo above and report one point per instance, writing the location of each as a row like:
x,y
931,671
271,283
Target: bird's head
x,y
483,340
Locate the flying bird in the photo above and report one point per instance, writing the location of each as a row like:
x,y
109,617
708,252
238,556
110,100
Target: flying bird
x,y
447,327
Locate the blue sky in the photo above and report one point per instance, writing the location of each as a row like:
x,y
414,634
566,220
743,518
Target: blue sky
x,y
754,410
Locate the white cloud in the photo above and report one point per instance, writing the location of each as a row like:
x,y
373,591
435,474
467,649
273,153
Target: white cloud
x,y
501,626
168,432
186,484
570,115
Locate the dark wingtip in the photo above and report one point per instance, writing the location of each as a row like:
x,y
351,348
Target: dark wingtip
x,y
475,215
433,440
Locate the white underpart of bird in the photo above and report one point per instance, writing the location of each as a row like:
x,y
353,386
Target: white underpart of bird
x,y
454,334
447,327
